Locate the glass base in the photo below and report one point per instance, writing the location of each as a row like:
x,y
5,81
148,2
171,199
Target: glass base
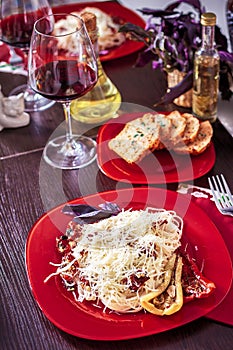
x,y
33,102
78,153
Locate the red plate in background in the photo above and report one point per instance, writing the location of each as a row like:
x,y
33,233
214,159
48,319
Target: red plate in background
x,y
114,10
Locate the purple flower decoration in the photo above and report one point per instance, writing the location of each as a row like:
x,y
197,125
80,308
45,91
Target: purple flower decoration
x,y
171,38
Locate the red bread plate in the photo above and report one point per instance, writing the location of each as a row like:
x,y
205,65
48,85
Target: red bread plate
x,y
157,167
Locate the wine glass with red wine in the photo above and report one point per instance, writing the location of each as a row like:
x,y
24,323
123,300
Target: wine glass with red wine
x,y
17,18
62,67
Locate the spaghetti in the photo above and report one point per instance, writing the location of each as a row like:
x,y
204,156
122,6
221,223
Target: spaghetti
x,y
108,30
119,259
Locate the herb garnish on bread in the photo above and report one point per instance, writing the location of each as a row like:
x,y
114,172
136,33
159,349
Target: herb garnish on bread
x,y
137,139
183,134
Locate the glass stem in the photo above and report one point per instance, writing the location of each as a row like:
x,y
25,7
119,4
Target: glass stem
x,y
15,58
25,58
69,135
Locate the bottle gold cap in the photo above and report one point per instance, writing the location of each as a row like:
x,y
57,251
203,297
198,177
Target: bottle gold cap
x,y
208,19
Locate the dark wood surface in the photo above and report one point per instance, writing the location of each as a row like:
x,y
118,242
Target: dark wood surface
x,y
28,189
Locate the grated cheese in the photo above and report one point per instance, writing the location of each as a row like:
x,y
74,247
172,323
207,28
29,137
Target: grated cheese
x,y
111,252
108,31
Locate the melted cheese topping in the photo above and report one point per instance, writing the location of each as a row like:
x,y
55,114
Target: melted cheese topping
x,y
108,35
115,253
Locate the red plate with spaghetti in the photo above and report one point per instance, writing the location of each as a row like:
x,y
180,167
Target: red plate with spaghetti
x,y
86,321
158,167
116,10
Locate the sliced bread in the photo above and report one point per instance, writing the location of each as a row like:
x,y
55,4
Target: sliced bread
x,y
182,133
148,125
132,143
178,124
165,126
191,129
200,143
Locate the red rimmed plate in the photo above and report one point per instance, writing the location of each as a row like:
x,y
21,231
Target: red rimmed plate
x,y
4,52
114,10
204,242
224,312
158,167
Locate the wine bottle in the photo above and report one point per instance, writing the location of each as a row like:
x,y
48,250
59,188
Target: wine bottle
x,y
103,101
206,72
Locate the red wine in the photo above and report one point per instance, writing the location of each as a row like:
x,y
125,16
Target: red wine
x,y
17,28
63,80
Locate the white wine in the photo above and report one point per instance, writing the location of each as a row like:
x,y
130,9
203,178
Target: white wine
x,y
205,87
206,72
99,104
103,101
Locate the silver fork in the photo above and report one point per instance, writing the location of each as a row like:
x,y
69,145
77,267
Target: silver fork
x,y
221,194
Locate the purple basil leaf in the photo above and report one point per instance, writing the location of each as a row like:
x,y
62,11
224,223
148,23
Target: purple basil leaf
x,y
92,214
138,32
170,46
157,64
172,6
172,42
220,40
226,56
81,222
144,58
177,90
226,77
88,213
195,3
78,209
113,207
156,13
191,29
92,217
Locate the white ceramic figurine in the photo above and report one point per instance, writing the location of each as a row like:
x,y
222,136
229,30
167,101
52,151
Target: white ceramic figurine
x,y
12,113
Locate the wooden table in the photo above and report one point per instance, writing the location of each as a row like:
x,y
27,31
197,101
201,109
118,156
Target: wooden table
x,y
23,325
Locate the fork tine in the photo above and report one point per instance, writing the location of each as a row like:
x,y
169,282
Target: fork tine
x,y
222,192
227,191
220,184
214,192
219,190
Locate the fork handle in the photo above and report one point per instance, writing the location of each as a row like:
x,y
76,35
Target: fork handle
x,y
229,209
